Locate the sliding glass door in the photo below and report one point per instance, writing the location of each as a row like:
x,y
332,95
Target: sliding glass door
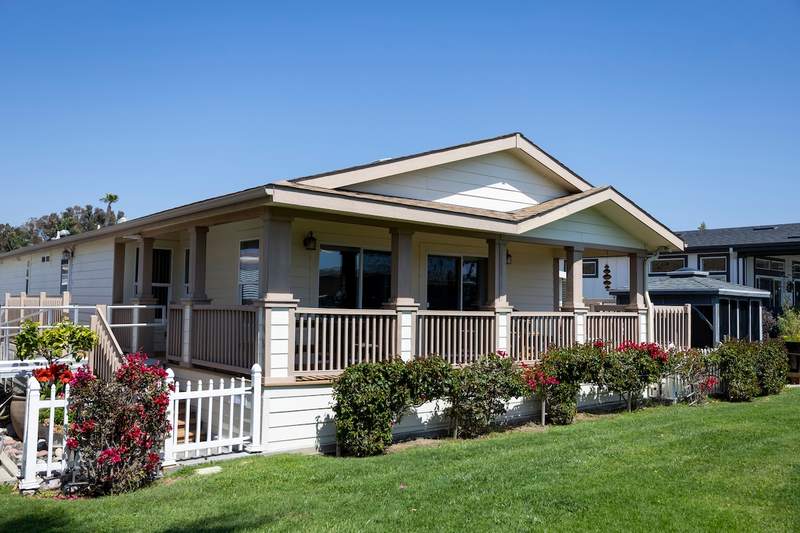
x,y
353,278
456,283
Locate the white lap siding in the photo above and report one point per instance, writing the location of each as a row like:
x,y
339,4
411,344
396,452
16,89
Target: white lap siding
x,y
12,275
302,417
91,274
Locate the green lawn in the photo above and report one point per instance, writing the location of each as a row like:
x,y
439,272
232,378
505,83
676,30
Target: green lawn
x,y
720,467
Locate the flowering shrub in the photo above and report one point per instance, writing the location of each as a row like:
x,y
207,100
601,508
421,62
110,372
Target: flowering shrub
x,y
694,367
633,366
479,393
571,366
118,427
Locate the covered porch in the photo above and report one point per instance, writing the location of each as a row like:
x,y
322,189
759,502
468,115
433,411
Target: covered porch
x,y
307,294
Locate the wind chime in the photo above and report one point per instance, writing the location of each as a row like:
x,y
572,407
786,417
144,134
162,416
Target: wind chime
x,y
607,278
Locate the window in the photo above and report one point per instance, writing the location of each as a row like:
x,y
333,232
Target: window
x,y
775,289
770,266
713,264
457,283
590,268
353,278
186,272
796,269
663,265
136,274
162,277
64,280
248,271
45,259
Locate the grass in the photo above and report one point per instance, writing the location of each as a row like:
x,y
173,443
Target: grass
x,y
723,466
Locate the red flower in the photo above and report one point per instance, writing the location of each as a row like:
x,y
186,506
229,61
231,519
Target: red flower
x,y
66,377
43,375
599,344
72,443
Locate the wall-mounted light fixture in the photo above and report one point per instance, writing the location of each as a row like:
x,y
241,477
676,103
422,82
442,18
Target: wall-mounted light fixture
x,y
310,242
508,257
66,255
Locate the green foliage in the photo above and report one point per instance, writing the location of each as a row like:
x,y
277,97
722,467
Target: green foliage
x,y
694,368
571,366
737,367
789,324
562,403
772,366
63,339
630,368
369,398
427,379
479,393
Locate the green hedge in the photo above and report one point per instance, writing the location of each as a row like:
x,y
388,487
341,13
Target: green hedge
x,y
750,369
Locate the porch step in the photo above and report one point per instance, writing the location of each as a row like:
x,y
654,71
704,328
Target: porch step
x,y
181,430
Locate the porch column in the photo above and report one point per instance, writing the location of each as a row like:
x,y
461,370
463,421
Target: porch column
x,y
498,291
402,297
556,283
637,273
276,312
118,287
142,338
573,298
197,288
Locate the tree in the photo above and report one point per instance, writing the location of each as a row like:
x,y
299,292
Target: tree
x,y
109,198
702,226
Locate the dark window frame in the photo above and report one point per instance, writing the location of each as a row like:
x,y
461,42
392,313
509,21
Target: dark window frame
x,y
361,253
483,278
727,257
650,272
596,263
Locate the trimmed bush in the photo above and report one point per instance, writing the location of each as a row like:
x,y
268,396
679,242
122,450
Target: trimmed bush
x,y
369,399
479,394
772,366
633,366
118,427
737,367
571,366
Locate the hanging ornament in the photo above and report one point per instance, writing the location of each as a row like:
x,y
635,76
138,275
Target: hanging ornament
x,y
607,277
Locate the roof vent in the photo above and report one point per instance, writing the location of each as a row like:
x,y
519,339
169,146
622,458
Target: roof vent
x,y
687,272
764,228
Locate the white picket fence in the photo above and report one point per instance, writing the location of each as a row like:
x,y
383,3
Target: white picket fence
x,y
216,419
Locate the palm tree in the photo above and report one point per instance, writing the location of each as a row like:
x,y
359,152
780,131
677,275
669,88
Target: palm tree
x,y
109,199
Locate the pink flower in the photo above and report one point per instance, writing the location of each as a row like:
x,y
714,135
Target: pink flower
x,y
72,443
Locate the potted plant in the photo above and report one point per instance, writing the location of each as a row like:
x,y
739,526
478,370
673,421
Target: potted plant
x,y
64,341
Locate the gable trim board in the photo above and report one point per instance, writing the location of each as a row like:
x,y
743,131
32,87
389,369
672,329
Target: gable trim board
x,y
517,142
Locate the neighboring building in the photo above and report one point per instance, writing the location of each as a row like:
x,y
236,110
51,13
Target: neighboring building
x,y
762,257
454,251
720,309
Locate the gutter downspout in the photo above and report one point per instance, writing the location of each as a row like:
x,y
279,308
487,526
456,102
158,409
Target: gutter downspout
x,y
647,301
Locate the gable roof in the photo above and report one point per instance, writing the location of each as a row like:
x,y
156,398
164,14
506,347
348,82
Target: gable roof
x,y
517,142
293,193
779,234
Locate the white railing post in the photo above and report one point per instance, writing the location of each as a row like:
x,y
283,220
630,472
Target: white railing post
x,y
186,336
502,323
169,454
135,332
30,440
581,317
406,331
644,323
75,314
255,445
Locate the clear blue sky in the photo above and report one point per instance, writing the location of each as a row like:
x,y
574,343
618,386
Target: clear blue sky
x,y
691,109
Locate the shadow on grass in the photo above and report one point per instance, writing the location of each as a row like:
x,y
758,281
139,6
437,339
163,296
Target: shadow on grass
x,y
38,521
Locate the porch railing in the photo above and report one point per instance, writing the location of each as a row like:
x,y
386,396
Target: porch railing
x,y
107,356
613,327
223,336
330,340
460,337
532,334
672,324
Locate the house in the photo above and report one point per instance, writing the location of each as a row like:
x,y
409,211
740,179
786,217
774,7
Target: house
x,y
455,251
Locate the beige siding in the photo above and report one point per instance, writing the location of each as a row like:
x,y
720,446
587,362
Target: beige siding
x,y
587,227
12,275
498,181
46,277
301,417
91,272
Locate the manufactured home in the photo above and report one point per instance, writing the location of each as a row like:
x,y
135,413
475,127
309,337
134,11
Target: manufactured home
x,y
458,251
